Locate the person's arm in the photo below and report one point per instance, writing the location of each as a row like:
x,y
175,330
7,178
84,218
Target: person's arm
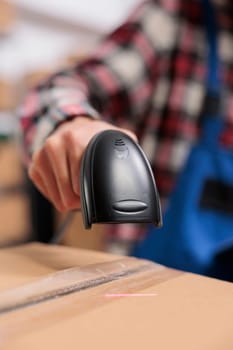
x,y
115,85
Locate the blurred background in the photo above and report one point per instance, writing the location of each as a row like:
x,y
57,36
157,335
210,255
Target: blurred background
x,y
37,38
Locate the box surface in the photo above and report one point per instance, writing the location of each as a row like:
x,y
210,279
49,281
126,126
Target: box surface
x,y
14,203
65,298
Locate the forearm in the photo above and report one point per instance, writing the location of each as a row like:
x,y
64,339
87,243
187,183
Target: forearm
x,y
116,83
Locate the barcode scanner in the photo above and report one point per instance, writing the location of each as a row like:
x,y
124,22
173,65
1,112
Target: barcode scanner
x,y
116,182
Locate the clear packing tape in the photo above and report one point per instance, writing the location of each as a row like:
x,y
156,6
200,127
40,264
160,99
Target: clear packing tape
x,y
72,292
78,279
59,298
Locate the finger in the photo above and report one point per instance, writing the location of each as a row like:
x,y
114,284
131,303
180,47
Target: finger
x,y
43,168
74,163
130,134
57,154
37,180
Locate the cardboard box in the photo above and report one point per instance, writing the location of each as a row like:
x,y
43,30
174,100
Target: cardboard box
x,y
7,17
11,164
54,297
14,205
76,235
33,78
14,219
8,99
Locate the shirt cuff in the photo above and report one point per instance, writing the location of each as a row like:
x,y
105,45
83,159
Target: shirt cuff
x,y
57,115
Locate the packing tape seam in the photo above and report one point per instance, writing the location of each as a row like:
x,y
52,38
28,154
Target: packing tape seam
x,y
22,302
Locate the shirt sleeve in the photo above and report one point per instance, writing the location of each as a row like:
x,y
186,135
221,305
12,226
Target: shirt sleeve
x,y
115,83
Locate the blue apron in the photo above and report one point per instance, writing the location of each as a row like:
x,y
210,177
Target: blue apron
x,y
197,234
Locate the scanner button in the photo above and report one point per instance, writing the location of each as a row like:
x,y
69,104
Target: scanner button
x,y
129,206
121,152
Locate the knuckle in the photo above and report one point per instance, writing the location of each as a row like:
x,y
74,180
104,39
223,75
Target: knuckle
x,y
70,136
32,173
73,139
51,145
36,158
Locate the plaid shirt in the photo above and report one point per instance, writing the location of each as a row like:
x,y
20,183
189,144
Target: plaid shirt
x,y
148,75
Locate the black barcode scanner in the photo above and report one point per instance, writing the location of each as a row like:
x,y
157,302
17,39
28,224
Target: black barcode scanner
x,y
117,183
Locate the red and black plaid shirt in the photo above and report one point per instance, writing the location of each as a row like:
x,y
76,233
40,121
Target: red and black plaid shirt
x,y
148,75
